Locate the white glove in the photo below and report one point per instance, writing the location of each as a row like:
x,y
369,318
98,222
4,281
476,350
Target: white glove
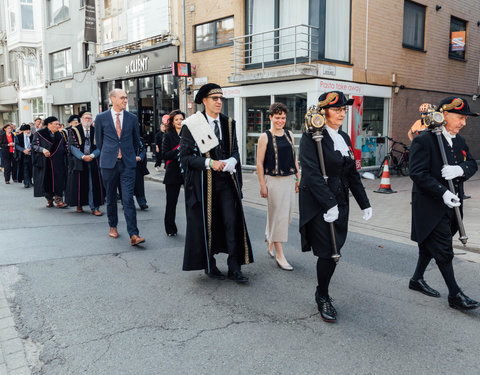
x,y
230,164
367,213
331,215
449,172
450,199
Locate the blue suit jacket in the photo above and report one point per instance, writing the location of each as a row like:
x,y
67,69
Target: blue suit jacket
x,y
108,142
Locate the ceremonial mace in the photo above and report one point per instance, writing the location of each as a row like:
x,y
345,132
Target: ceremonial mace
x,y
314,124
435,121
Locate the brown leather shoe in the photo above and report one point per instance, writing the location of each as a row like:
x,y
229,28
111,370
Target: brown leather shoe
x,y
49,203
97,213
61,205
113,232
79,209
135,240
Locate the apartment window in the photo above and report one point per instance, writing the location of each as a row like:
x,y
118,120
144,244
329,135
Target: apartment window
x,y
58,11
61,63
37,108
2,73
26,8
12,16
82,3
458,38
414,25
319,29
214,34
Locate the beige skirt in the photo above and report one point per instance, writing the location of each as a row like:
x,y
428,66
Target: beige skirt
x,y
281,200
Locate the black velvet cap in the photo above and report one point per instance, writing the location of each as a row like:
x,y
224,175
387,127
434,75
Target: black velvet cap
x,y
48,120
206,90
24,127
73,118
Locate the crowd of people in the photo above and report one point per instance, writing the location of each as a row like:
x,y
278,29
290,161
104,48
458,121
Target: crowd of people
x,y
90,163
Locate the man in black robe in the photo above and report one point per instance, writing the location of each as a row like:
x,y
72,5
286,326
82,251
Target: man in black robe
x,y
211,163
433,218
85,181
23,148
49,163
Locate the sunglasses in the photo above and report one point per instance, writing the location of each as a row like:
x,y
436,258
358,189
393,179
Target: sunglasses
x,y
339,109
217,98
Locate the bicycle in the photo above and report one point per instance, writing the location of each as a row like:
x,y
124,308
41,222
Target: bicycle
x,y
401,163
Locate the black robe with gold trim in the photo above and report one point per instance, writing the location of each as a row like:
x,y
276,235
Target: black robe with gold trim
x,y
205,232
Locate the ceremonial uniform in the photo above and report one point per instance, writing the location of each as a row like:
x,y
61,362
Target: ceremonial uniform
x,y
433,217
326,201
85,180
213,199
49,172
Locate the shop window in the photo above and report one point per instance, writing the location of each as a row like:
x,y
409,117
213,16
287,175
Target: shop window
x,y
458,38
26,8
61,63
214,34
413,25
373,132
257,122
58,11
297,109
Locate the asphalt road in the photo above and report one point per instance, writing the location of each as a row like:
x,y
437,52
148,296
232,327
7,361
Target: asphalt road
x,y
88,304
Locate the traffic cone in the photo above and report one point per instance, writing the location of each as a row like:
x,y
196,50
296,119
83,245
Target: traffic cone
x,y
385,186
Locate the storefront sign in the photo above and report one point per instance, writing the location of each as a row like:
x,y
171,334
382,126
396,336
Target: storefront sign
x,y
181,69
90,22
356,131
346,87
329,70
200,81
137,65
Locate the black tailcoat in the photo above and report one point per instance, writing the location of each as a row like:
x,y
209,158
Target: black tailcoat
x,y
171,155
197,249
50,173
317,196
429,185
79,172
141,171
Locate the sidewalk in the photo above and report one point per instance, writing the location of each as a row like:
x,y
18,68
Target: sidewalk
x,y
391,212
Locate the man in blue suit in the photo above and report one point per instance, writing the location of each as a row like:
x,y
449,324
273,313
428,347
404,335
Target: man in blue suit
x,y
117,136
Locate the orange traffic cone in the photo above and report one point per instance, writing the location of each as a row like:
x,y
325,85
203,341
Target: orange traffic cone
x,y
385,186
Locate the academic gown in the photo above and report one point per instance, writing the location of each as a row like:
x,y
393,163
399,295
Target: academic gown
x,y
205,231
81,171
426,166
50,173
20,156
317,196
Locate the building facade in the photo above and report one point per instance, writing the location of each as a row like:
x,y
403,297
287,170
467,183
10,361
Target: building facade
x,y
22,81
291,51
138,58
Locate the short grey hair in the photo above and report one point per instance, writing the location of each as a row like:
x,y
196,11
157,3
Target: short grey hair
x,y
114,92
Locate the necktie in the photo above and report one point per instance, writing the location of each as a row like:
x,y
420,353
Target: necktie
x,y
217,129
86,149
118,127
27,142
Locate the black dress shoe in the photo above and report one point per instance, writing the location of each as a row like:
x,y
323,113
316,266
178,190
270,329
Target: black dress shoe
x,y
462,302
326,309
422,287
143,208
238,277
171,234
215,274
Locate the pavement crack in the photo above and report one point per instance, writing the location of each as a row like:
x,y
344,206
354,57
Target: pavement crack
x,y
156,269
119,256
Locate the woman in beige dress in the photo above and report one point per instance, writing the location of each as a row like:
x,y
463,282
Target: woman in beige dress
x,y
279,177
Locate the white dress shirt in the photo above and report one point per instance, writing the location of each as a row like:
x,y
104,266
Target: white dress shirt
x,y
26,139
212,124
114,116
448,136
339,143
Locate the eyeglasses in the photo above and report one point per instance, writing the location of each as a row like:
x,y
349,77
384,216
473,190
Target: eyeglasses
x,y
217,98
339,109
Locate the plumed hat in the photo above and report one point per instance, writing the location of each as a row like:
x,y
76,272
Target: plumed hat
x,y
206,90
456,104
333,99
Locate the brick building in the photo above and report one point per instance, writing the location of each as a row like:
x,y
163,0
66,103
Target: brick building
x,y
390,55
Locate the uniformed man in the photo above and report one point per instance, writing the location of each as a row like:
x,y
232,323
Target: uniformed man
x,y
433,217
211,164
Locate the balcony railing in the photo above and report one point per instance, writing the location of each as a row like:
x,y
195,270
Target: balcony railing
x,y
284,45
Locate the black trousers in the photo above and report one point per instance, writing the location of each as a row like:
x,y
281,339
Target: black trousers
x,y
172,190
27,169
438,244
10,166
225,204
